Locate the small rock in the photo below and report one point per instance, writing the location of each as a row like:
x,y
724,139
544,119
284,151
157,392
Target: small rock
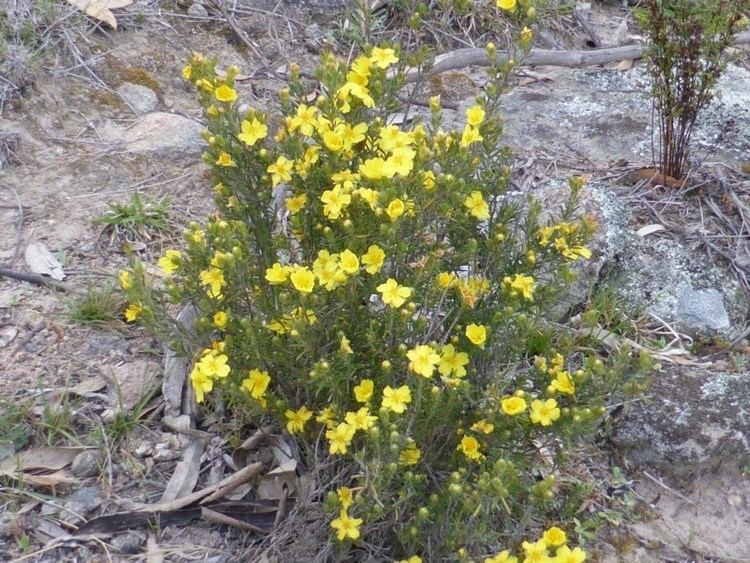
x,y
130,382
165,134
129,542
166,452
694,419
197,10
80,503
86,464
313,37
141,99
702,310
144,450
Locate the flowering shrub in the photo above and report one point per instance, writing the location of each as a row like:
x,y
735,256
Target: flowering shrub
x,y
376,289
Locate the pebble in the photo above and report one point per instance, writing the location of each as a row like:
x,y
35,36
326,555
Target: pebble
x,y
197,11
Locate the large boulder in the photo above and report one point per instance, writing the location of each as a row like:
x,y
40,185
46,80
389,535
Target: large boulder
x,y
165,134
691,420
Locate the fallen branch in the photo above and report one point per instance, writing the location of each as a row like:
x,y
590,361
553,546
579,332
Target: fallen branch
x,y
461,58
36,279
235,479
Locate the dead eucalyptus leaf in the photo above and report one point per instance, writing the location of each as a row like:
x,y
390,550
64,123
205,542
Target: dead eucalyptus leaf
x,y
42,467
100,9
41,261
650,229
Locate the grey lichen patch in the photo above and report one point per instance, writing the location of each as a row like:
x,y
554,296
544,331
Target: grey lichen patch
x,y
665,278
692,420
606,115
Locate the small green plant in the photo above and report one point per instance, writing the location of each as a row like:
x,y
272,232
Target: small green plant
x,y
15,430
98,307
125,422
688,40
380,293
138,218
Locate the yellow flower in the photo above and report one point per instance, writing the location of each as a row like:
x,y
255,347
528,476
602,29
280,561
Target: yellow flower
x,y
445,279
423,359
126,280
395,209
335,201
475,116
327,268
544,412
469,446
359,91
373,168
303,280
396,399
563,384
225,159
383,58
502,557
410,455
361,419
576,252
333,140
220,319
202,383
295,204
477,334
205,84
350,136
470,136
214,279
281,170
187,72
214,365
198,236
536,552
346,497
345,346
256,383
401,162
554,537
526,36
346,526
369,196
513,405
132,312
363,392
507,5
225,94
429,180
296,420
326,416
277,274
565,555
340,437
305,120
452,362
392,138
394,294
483,426
349,261
521,285
252,131
360,70
170,261
477,206
373,259
412,559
